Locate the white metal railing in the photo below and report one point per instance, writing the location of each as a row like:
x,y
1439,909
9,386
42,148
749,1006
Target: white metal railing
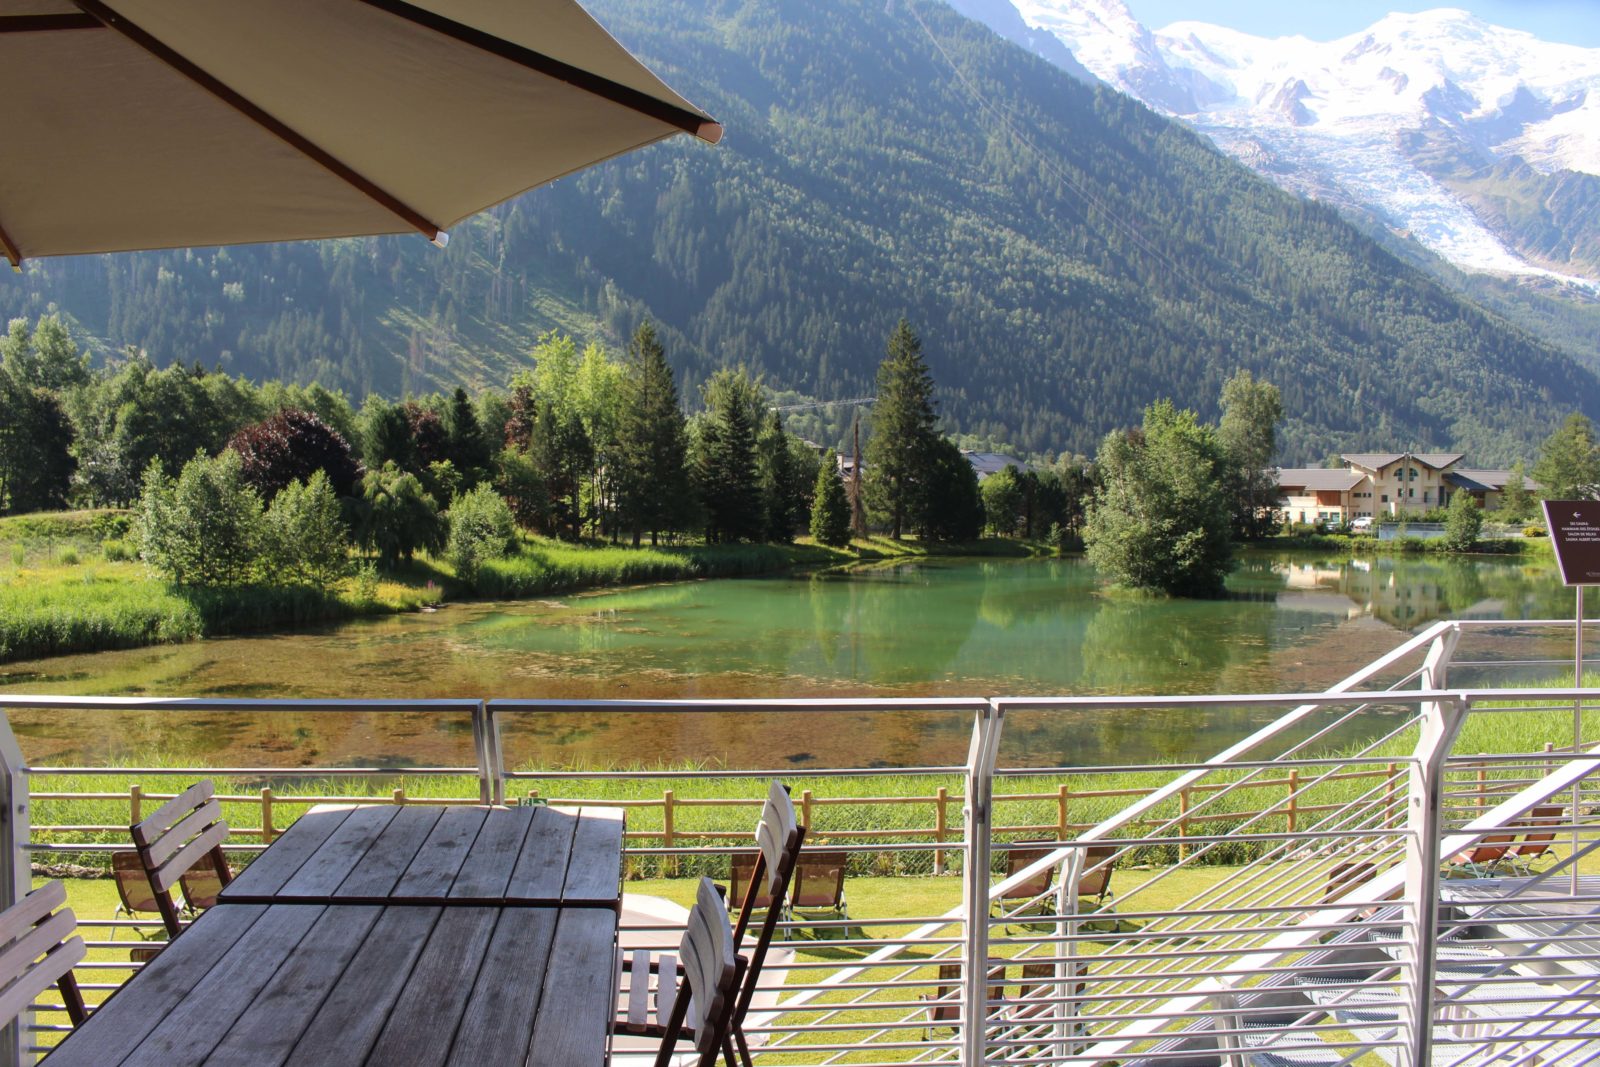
x,y
1317,929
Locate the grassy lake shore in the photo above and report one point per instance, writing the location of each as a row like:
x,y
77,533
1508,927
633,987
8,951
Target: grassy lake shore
x,y
70,582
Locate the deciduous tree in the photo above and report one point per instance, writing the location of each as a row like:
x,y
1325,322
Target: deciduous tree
x,y
1569,462
1162,517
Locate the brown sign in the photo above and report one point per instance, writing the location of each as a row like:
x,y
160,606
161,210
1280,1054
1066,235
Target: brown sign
x,y
1575,535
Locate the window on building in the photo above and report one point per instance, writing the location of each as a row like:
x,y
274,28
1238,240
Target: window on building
x,y
1384,499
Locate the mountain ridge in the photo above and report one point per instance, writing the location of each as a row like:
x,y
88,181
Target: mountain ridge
x,y
1325,118
1067,255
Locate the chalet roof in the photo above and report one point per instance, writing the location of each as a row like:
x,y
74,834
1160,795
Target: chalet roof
x,y
1378,460
1486,481
987,463
1324,479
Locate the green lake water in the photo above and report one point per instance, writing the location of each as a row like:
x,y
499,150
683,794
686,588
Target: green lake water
x,y
936,627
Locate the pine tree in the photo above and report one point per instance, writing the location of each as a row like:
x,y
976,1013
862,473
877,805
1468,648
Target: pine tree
x,y
830,510
900,453
465,443
725,465
1515,501
652,481
783,499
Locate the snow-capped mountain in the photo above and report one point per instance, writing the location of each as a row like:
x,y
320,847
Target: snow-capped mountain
x,y
1483,143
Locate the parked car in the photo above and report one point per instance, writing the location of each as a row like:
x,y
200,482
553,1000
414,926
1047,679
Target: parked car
x,y
1361,525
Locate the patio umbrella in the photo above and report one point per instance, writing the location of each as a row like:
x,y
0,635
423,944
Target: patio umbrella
x,y
128,124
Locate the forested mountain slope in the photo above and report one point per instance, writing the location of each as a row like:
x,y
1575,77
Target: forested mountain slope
x,y
1066,254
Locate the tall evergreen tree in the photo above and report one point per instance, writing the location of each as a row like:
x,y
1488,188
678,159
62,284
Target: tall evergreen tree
x,y
900,453
725,463
830,510
782,494
466,446
652,481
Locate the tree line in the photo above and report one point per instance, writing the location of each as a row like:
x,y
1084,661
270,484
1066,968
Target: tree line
x,y
237,482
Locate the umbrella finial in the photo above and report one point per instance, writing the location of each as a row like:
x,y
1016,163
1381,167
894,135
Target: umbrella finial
x,y
441,239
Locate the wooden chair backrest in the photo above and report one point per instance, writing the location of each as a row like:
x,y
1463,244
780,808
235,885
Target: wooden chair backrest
x,y
778,836
1536,842
711,973
1097,866
819,880
741,873
946,996
1019,858
133,885
1343,877
39,947
185,831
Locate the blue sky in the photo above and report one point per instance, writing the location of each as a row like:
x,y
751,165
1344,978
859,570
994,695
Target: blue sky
x,y
1570,21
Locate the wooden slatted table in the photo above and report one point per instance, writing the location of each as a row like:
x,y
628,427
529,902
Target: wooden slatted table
x,y
375,937
395,854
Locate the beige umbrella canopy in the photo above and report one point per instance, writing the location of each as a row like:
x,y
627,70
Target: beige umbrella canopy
x,y
128,124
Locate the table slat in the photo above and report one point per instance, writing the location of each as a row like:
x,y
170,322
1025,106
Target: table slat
x,y
575,1011
345,1029
422,1025
489,863
270,870
328,866
380,869
267,1032
433,869
593,873
198,1023
140,1005
541,870
498,1023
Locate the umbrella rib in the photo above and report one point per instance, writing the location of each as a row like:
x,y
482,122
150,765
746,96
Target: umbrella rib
x,y
44,23
11,250
260,117
586,80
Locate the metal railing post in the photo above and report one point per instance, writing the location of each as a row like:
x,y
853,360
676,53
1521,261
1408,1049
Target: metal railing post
x,y
1441,723
480,751
16,872
979,810
1067,969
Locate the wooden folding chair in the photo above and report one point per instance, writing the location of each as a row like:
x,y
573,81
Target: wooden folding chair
x,y
1543,821
765,880
818,891
181,835
695,998
39,947
1094,884
944,1003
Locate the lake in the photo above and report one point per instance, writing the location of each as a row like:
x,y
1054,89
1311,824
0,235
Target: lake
x,y
957,627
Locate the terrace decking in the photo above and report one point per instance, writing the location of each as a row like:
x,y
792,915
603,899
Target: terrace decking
x,y
1280,902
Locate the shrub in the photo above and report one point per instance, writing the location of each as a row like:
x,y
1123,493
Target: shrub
x,y
397,517
68,557
116,551
204,529
1463,523
481,529
307,542
1534,531
290,447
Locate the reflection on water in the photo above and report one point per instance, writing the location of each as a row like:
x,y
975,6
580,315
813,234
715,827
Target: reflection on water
x,y
936,627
